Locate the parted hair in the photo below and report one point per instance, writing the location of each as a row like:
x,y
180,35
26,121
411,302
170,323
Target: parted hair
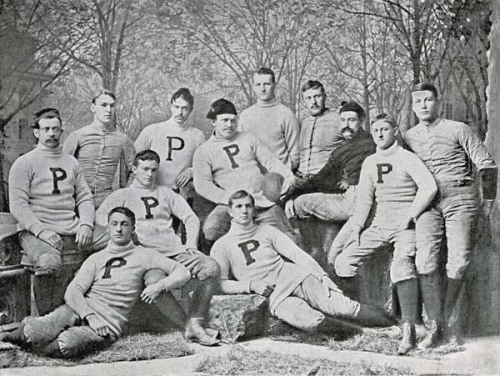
x,y
266,70
146,155
103,92
426,86
185,94
125,211
240,194
312,84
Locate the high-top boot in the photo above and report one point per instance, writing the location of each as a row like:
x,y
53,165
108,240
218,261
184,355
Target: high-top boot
x,y
408,340
431,291
407,291
452,329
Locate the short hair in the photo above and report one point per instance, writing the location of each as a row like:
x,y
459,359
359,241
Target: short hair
x,y
312,84
45,113
265,70
146,155
426,86
125,211
240,194
387,118
354,107
185,94
103,92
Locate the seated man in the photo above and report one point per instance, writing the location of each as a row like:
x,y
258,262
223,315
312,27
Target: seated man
x,y
232,160
399,186
329,195
265,261
47,189
154,207
100,297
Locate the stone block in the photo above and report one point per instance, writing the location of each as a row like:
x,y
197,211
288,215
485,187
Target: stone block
x,y
238,317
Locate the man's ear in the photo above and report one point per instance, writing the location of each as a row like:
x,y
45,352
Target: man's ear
x,y
36,133
92,107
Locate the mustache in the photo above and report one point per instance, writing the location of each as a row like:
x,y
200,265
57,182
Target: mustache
x,y
346,129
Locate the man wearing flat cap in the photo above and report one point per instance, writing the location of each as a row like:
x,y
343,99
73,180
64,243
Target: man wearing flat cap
x,y
47,189
229,161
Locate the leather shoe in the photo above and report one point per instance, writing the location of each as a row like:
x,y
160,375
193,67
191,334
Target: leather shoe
x,y
408,341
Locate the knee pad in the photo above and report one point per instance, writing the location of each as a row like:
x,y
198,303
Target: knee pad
x,y
154,275
49,263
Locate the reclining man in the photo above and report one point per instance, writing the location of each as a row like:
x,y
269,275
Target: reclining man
x,y
396,183
232,160
263,260
101,296
154,207
47,189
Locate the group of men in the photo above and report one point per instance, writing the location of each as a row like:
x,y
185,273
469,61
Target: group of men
x,y
328,167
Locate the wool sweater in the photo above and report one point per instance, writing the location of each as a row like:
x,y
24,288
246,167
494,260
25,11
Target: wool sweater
x,y
174,144
319,135
223,166
111,281
344,163
277,126
153,208
263,253
100,152
400,185
46,187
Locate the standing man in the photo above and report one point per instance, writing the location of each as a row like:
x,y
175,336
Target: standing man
x,y
175,141
396,185
154,207
272,122
101,148
47,189
262,260
101,296
230,160
447,147
319,131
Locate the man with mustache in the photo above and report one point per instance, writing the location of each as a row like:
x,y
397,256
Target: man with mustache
x,y
101,149
52,202
175,140
232,160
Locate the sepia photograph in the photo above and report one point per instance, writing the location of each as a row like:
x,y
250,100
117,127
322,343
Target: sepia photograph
x,y
249,187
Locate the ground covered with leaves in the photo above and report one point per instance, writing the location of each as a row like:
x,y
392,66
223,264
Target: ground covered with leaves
x,y
245,362
141,346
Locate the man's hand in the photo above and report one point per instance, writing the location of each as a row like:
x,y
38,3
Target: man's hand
x,y
343,185
98,325
289,210
288,186
261,287
52,238
355,235
84,236
152,292
329,285
184,178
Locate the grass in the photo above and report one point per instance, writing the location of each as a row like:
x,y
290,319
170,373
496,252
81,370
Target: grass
x,y
141,346
381,341
245,362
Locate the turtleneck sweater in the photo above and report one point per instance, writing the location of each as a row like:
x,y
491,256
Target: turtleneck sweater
x,y
153,208
109,282
258,253
277,126
174,143
223,166
46,187
400,185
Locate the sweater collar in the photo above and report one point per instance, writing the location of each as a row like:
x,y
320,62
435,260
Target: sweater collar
x,y
238,229
136,184
50,151
390,150
114,248
269,103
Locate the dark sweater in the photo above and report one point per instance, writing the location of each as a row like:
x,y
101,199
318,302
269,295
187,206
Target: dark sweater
x,y
344,164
